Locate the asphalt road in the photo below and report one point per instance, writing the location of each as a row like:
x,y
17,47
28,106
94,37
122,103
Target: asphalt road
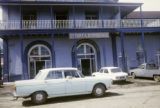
x,y
145,94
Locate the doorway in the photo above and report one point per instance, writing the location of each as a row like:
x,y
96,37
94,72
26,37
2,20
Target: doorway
x,y
39,57
86,58
86,67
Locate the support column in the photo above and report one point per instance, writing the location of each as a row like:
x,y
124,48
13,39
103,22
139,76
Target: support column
x,y
6,61
53,51
141,14
51,9
143,46
23,60
119,11
124,62
114,50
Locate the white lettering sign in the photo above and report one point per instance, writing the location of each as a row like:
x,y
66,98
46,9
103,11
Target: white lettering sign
x,y
88,35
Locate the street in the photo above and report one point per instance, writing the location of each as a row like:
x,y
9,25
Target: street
x,y
130,95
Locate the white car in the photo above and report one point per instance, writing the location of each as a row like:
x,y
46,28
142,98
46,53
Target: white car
x,y
115,73
147,71
57,82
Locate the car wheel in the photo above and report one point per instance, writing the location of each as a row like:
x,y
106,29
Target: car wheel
x,y
99,90
133,75
39,97
156,78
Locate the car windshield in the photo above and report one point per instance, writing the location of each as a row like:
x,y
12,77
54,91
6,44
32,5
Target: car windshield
x,y
115,70
38,75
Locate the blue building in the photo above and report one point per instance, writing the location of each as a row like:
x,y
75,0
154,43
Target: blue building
x,y
86,34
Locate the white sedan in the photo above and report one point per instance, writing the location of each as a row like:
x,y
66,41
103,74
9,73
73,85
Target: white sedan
x,y
57,82
115,73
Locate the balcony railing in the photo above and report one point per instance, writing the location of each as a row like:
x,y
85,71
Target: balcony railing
x,y
77,24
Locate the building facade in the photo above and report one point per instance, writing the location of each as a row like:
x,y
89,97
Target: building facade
x,y
87,34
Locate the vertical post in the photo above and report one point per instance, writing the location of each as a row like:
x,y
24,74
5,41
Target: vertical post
x,y
141,14
20,17
74,52
53,52
143,46
24,75
114,50
101,14
6,61
74,19
124,67
119,11
51,9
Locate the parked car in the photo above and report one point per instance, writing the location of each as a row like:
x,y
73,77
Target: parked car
x,y
115,73
146,70
57,82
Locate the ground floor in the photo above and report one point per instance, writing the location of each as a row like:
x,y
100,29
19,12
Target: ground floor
x,y
25,56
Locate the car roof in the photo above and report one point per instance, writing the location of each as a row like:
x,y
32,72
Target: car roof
x,y
109,67
61,68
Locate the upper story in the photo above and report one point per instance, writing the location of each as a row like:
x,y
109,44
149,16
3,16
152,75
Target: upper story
x,y
69,14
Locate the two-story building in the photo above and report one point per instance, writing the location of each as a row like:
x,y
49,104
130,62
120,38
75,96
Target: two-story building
x,y
87,34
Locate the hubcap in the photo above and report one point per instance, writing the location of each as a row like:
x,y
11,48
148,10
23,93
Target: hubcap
x,y
99,91
39,97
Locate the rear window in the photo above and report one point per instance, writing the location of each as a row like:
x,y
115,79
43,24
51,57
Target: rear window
x,y
115,70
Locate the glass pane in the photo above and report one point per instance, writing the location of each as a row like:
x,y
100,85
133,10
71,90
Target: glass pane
x,y
80,50
55,75
32,70
44,51
34,51
89,49
48,64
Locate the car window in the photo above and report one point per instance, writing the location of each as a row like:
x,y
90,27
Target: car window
x,y
101,70
72,73
55,75
115,70
151,66
142,66
106,71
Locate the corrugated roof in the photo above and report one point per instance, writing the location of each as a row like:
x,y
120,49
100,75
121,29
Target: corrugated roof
x,y
146,14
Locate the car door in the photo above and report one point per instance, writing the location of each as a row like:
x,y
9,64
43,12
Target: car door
x,y
55,83
140,71
74,83
151,70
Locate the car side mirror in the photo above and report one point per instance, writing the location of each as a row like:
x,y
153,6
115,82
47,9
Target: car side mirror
x,y
69,77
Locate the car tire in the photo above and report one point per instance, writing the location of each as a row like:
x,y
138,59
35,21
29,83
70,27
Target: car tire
x,y
133,75
39,97
99,90
156,78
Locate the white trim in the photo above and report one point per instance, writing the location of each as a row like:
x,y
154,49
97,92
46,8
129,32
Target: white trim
x,y
86,54
39,55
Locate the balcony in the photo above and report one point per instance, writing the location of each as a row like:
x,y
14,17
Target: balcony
x,y
77,24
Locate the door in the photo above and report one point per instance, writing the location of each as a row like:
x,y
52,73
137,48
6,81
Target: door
x,y
86,67
39,65
55,84
75,84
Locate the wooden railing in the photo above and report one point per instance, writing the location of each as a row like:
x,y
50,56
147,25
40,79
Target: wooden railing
x,y
77,24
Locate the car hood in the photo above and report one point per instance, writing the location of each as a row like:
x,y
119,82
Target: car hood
x,y
112,74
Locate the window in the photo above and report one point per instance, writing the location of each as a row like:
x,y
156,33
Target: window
x,y
72,73
101,70
92,15
142,66
106,71
55,75
115,70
